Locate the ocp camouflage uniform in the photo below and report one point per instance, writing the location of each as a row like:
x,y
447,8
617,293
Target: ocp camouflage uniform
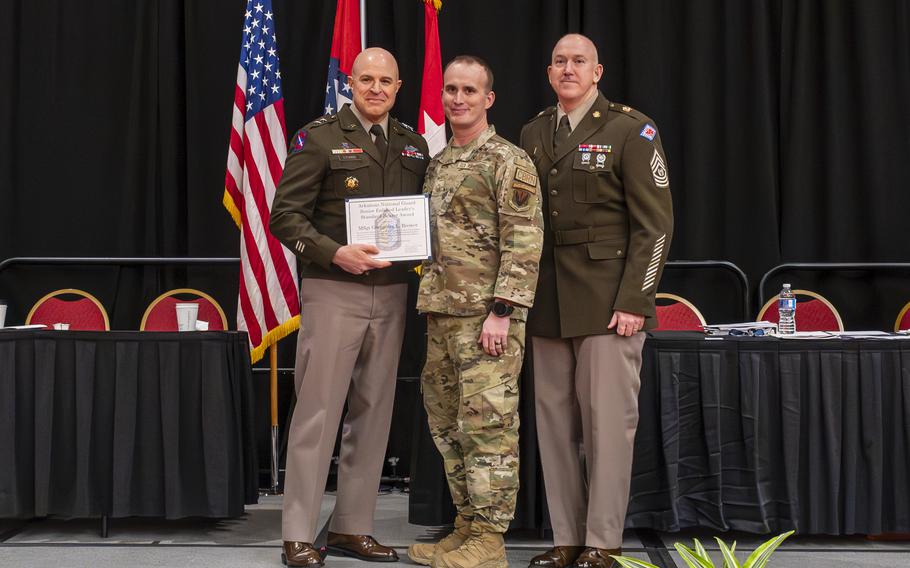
x,y
487,237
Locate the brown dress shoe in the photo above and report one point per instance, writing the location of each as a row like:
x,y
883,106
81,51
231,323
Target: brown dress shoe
x,y
298,554
557,557
598,558
362,547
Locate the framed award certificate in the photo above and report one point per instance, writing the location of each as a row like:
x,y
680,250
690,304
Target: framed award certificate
x,y
398,226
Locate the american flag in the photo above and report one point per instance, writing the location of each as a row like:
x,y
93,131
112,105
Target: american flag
x,y
268,307
345,47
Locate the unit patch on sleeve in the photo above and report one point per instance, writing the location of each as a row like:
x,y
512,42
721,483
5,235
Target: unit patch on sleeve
x,y
648,132
659,170
524,187
299,141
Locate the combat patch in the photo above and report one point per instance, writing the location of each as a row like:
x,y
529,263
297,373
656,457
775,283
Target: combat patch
x,y
659,170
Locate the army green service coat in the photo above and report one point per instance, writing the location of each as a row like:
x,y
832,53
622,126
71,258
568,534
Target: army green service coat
x,y
608,219
331,159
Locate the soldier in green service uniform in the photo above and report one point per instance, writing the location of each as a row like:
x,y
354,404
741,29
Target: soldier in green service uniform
x,y
609,221
353,309
487,238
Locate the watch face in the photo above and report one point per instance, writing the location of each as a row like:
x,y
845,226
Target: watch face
x,y
501,309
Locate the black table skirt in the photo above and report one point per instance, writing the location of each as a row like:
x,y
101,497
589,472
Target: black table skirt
x,y
752,434
126,424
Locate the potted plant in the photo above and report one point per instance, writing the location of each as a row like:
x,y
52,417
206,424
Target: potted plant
x,y
698,557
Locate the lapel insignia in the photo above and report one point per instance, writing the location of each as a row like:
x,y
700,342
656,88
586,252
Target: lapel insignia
x,y
351,183
596,114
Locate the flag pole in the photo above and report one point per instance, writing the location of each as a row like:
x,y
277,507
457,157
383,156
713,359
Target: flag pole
x,y
273,398
363,24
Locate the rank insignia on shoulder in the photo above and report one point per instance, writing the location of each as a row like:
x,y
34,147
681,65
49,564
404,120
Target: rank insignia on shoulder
x,y
412,152
347,149
298,142
525,176
648,132
596,114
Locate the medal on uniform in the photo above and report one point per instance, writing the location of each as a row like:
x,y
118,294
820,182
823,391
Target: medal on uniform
x,y
586,158
351,183
601,160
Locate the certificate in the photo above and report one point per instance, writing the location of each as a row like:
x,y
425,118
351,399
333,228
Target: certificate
x,y
398,226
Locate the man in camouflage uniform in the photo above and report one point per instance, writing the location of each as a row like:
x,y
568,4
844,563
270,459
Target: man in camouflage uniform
x,y
487,238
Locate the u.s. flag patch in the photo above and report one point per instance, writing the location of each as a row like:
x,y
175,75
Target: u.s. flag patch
x,y
648,132
299,141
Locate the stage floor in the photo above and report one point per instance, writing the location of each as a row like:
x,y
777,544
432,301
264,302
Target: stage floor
x,y
254,541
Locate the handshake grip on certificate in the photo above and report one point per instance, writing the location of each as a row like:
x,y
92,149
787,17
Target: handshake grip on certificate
x,y
358,258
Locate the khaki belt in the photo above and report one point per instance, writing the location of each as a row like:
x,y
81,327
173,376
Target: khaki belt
x,y
590,234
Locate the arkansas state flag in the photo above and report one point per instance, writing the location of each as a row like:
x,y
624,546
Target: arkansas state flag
x,y
431,120
345,47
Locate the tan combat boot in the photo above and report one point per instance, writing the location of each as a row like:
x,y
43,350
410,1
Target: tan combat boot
x,y
423,552
481,550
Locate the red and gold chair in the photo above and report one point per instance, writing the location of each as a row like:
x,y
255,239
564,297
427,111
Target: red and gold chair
x,y
813,312
903,318
677,313
79,309
161,315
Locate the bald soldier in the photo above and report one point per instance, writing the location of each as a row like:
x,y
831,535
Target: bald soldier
x,y
353,310
609,220
476,290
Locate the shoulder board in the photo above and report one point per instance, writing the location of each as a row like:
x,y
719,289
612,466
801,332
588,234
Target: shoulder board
x,y
321,121
627,110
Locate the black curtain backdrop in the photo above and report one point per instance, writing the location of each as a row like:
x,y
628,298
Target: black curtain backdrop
x,y
785,121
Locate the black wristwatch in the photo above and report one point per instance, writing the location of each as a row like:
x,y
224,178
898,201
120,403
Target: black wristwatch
x,y
502,309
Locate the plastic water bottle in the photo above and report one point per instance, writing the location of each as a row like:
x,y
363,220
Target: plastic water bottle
x,y
786,311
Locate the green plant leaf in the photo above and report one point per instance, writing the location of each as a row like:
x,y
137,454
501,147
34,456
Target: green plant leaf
x,y
730,561
629,562
699,549
692,558
762,554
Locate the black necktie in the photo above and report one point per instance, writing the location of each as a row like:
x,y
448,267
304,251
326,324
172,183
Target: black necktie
x,y
380,142
562,132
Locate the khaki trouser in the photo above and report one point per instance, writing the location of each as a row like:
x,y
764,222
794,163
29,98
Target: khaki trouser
x,y
586,399
471,400
347,349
